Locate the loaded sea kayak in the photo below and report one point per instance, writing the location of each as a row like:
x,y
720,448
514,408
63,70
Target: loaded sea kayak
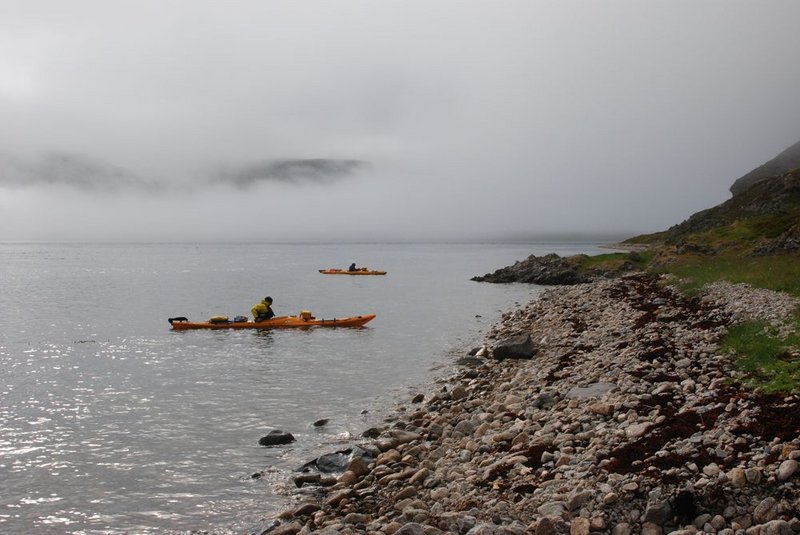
x,y
347,272
280,322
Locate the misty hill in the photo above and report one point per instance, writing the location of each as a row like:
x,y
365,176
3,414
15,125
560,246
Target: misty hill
x,y
762,218
780,164
72,170
292,171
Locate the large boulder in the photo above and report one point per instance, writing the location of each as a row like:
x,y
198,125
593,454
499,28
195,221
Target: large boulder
x,y
515,347
338,461
276,438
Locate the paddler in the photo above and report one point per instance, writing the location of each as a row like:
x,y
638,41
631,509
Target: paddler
x,y
263,310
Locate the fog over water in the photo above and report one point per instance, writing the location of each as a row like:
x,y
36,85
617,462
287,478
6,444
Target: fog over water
x,y
391,120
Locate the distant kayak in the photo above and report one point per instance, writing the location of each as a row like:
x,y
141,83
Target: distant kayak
x,y
347,272
280,322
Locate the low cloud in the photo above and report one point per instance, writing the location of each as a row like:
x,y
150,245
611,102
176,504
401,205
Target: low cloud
x,y
87,174
292,171
73,171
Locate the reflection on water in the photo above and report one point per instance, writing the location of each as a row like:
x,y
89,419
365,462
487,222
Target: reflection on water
x,y
112,423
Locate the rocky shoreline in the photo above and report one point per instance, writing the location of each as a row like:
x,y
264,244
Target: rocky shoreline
x,y
548,270
623,417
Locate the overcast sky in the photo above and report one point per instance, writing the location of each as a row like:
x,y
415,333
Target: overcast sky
x,y
191,119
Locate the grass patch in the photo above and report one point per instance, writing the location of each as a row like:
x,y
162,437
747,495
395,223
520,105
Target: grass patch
x,y
616,262
767,361
655,238
781,273
743,235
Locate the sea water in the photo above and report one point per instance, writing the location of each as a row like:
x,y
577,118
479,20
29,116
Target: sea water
x,y
112,423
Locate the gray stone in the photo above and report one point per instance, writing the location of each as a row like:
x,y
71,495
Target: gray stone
x,y
579,526
577,499
327,531
313,479
408,492
459,392
622,528
545,526
465,427
306,509
404,437
552,509
711,470
787,469
658,513
718,522
648,528
765,511
753,475
701,520
776,527
356,518
737,478
411,528
637,430
287,529
457,522
595,390
358,466
544,401
515,347
744,521
484,529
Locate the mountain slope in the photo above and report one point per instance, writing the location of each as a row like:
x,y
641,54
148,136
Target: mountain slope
x,y
780,164
762,217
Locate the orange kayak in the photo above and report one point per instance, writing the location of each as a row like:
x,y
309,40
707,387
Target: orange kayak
x,y
346,272
281,322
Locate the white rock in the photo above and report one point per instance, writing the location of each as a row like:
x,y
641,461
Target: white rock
x,y
787,469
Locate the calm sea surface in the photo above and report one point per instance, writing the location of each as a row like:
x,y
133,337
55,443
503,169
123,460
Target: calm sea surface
x,y
112,423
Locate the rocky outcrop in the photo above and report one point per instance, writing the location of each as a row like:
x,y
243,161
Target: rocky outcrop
x,y
627,420
787,242
776,201
549,269
782,163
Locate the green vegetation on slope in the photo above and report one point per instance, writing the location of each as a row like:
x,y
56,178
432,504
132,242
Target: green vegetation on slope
x,y
755,221
780,273
615,262
767,358
754,238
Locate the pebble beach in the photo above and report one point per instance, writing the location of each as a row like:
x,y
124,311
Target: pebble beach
x,y
626,417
